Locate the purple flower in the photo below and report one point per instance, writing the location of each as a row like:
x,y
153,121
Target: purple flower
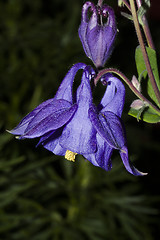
x,y
98,32
71,124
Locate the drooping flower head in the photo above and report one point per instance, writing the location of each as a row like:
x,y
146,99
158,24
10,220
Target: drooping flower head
x,y
97,32
70,124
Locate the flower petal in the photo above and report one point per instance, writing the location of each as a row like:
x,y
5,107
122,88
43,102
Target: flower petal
x,y
79,136
109,93
45,137
21,127
84,24
51,117
109,127
102,157
129,167
65,89
114,97
100,42
50,141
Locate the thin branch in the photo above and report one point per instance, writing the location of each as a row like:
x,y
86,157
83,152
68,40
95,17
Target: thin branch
x,y
126,4
146,28
145,56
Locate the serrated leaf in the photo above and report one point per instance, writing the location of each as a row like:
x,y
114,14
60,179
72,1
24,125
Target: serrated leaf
x,y
141,70
148,115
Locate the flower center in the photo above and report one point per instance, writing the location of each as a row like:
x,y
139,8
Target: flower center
x,y
70,155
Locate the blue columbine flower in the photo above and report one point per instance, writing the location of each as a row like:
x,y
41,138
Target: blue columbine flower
x,y
98,32
71,124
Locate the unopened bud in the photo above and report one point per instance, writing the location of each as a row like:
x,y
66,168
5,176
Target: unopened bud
x,y
97,32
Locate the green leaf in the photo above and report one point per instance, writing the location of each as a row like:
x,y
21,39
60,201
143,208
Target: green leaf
x,y
141,69
148,115
126,15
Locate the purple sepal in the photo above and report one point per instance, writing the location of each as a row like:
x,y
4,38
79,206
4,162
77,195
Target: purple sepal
x,y
65,89
96,36
114,96
109,127
129,167
102,157
52,117
50,141
21,127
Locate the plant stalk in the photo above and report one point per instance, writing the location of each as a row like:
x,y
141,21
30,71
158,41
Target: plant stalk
x,y
145,56
126,4
146,28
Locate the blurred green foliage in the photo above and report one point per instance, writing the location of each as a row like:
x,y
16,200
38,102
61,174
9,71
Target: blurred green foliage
x,y
43,196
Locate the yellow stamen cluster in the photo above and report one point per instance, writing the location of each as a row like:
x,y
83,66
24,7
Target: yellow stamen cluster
x,y
70,155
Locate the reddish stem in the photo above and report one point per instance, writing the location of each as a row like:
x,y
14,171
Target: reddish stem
x,y
146,28
144,52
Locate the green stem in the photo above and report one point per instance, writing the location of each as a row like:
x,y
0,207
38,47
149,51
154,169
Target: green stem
x,y
145,56
146,28
127,5
129,83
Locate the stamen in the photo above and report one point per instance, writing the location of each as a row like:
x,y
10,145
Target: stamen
x,y
70,155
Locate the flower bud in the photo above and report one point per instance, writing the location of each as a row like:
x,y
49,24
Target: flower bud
x,y
97,32
136,83
137,104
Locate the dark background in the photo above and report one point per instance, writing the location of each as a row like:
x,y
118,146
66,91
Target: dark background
x,y
43,196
